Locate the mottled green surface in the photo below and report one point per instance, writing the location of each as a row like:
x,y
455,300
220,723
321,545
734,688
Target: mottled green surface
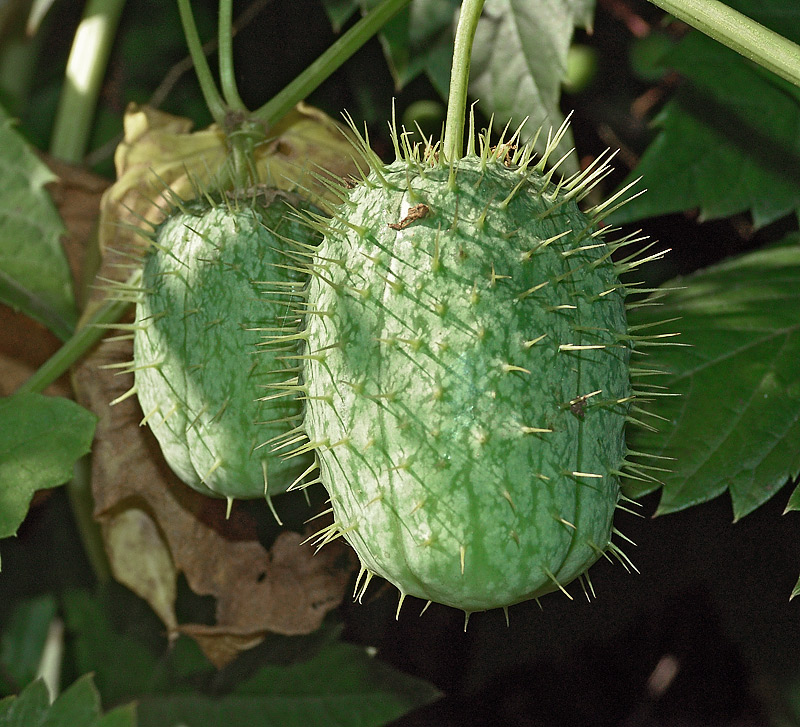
x,y
201,369
437,354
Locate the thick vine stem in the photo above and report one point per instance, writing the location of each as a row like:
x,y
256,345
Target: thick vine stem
x,y
740,33
226,75
453,144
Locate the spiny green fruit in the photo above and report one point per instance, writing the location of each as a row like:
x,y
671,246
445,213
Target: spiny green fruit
x,y
467,374
200,374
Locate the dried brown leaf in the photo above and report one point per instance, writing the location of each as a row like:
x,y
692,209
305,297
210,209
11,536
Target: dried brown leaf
x,y
285,590
76,193
140,559
139,502
160,150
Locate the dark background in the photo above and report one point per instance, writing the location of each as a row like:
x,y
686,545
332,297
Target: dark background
x,y
711,598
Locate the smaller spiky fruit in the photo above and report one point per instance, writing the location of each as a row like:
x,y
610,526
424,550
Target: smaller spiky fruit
x,y
467,375
205,386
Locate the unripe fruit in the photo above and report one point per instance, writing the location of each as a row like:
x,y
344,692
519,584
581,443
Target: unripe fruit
x,y
206,387
467,375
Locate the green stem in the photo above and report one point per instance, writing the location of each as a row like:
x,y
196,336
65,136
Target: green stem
x,y
453,143
216,105
81,501
226,75
80,342
742,34
84,75
328,62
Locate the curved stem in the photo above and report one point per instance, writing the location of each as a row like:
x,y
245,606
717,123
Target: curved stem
x,y
226,75
86,68
81,341
744,35
328,62
453,143
216,105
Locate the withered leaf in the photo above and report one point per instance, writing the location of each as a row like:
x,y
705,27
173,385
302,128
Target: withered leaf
x,y
140,503
286,590
160,150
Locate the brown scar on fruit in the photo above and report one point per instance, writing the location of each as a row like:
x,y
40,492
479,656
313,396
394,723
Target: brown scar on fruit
x,y
578,405
417,212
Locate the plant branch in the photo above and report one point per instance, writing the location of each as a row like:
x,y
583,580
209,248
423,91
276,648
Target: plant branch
x,y
207,85
81,341
227,76
328,62
744,35
86,68
453,143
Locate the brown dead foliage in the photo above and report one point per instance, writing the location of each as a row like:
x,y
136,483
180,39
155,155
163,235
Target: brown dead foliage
x,y
154,527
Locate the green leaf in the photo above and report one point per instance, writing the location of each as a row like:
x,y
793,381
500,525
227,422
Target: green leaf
x,y
728,141
519,58
26,709
41,437
78,706
418,39
23,639
736,424
341,685
34,275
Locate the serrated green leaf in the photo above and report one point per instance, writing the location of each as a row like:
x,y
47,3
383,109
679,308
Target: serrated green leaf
x,y
25,710
736,425
342,685
519,55
34,275
794,501
728,141
519,59
41,437
22,641
78,706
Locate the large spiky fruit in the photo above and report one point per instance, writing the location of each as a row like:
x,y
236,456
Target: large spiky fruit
x,y
467,375
201,375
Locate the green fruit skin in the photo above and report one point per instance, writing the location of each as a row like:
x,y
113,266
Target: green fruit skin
x,y
429,367
199,367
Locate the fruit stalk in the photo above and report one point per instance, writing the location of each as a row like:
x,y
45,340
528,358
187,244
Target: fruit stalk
x,y
216,105
740,33
459,79
226,74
